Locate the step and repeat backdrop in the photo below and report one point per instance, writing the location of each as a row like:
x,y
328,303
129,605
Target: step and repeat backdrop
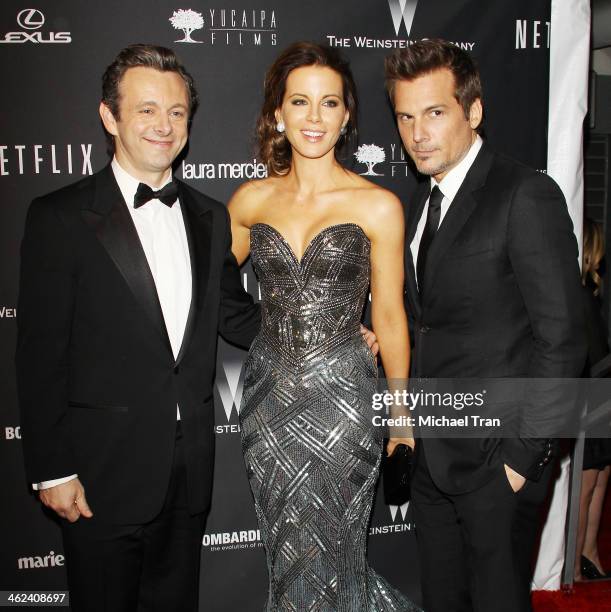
x,y
52,56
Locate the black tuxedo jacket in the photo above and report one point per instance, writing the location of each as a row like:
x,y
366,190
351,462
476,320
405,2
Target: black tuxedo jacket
x,y
98,383
501,298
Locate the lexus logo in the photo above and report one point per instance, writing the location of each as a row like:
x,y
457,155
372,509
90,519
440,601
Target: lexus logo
x,y
30,19
402,11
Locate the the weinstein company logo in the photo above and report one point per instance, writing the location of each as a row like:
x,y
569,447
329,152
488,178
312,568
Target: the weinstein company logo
x,y
398,515
32,20
230,384
395,509
370,154
402,11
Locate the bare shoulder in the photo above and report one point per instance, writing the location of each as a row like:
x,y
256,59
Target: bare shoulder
x,y
374,204
248,199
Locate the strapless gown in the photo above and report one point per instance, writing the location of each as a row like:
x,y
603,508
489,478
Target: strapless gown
x,y
311,452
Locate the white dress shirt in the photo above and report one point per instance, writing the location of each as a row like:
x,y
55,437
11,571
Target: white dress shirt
x,y
449,186
163,237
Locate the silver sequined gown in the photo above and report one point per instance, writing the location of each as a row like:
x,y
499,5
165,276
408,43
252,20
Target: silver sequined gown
x,y
311,452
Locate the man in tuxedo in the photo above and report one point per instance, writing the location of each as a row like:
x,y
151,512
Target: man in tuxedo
x,y
492,291
127,277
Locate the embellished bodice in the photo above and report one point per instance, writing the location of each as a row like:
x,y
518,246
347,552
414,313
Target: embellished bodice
x,y
308,304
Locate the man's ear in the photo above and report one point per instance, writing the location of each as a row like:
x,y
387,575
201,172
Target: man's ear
x,y
476,113
108,119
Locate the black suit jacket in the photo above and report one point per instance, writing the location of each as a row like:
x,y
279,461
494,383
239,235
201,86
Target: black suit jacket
x,y
501,299
98,383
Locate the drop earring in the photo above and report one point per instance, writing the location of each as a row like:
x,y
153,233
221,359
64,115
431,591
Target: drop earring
x,y
280,126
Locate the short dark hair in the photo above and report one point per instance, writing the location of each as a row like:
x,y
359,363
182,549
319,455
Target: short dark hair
x,y
426,56
274,149
147,56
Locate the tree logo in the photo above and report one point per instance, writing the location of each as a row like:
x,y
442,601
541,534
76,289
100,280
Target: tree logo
x,y
187,21
371,155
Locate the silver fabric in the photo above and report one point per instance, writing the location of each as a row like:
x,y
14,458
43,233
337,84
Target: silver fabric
x,y
311,452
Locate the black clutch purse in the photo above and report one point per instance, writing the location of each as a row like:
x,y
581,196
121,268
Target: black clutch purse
x,y
396,472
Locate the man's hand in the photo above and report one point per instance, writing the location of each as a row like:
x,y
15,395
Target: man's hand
x,y
67,499
394,442
371,339
516,481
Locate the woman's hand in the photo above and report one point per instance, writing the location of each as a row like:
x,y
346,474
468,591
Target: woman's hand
x,y
394,442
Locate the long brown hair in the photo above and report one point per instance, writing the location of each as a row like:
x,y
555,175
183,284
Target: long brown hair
x,y
274,149
593,252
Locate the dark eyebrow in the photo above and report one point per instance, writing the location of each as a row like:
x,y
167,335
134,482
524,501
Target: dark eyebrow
x,y
426,110
331,95
434,106
153,103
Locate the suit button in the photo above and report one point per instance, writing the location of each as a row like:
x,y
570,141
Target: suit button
x,y
176,370
424,329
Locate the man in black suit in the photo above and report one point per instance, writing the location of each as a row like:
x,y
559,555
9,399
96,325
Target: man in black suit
x,y
127,277
492,291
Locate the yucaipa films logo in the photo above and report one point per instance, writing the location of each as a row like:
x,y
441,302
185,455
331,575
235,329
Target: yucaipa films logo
x,y
389,160
227,26
31,20
370,154
187,21
402,11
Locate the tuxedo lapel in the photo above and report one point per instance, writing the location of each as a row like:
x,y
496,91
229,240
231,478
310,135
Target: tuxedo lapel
x,y
108,217
413,214
460,210
198,227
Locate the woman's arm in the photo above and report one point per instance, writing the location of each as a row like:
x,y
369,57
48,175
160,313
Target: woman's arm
x,y
240,230
386,233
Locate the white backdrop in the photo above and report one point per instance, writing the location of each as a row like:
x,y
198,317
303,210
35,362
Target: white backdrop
x,y
568,104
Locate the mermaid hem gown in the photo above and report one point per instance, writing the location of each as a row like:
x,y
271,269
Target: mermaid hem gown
x,y
312,454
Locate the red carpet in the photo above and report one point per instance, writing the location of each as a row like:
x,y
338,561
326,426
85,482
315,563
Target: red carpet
x,y
586,597
593,596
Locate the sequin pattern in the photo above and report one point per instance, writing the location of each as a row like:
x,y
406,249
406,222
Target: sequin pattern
x,y
311,453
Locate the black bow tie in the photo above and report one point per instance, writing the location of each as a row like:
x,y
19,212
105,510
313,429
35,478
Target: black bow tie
x,y
166,194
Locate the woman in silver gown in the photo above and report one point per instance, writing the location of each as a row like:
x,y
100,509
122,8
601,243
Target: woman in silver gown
x,y
319,236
